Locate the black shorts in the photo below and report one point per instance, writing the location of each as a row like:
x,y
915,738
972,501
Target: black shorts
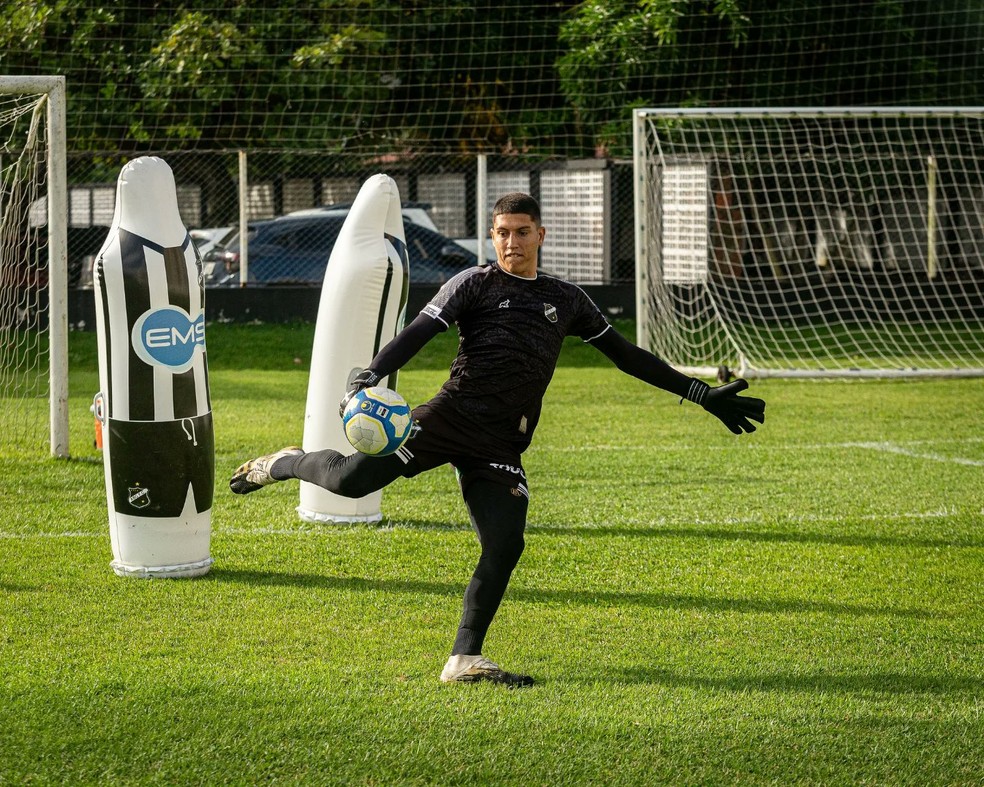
x,y
444,437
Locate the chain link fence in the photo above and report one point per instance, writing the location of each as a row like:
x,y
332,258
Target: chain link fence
x,y
587,208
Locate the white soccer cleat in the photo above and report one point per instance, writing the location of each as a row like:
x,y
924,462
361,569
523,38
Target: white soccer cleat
x,y
255,473
477,669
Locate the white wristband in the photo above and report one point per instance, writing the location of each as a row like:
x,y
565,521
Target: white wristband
x,y
697,393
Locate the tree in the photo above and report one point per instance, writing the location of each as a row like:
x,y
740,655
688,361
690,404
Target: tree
x,y
767,52
412,76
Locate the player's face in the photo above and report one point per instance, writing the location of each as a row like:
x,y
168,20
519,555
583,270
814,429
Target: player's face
x,y
517,239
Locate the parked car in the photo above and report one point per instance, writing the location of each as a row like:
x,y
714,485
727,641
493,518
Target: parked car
x,y
208,238
472,245
84,244
416,212
295,250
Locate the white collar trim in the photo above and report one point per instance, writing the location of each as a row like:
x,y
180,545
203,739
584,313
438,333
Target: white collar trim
x,y
516,276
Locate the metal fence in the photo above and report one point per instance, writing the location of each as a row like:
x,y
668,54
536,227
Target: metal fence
x,y
587,204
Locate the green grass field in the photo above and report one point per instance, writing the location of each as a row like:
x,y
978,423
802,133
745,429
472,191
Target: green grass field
x,y
799,606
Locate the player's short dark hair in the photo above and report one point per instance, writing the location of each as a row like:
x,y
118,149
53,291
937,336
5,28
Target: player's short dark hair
x,y
517,202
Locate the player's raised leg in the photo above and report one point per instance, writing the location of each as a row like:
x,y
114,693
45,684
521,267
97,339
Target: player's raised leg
x,y
349,476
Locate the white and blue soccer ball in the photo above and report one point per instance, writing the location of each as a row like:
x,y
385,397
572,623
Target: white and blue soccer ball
x,y
377,421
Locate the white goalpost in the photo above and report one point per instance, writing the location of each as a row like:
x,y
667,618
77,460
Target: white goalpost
x,y
842,242
34,261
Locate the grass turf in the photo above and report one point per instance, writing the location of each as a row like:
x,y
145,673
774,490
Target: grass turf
x,y
801,605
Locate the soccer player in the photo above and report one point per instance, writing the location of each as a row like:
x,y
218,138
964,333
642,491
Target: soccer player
x,y
511,322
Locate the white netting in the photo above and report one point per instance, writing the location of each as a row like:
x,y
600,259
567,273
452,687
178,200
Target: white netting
x,y
840,242
24,364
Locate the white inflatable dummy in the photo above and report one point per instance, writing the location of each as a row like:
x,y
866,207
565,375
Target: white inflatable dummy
x,y
153,407
363,306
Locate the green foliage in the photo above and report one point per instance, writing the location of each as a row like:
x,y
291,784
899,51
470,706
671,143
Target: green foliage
x,y
189,62
540,79
778,53
175,75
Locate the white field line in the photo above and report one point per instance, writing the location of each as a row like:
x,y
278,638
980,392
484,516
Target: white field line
x,y
383,527
67,534
886,447
892,448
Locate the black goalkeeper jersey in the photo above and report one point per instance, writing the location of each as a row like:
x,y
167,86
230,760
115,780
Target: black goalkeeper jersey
x,y
511,331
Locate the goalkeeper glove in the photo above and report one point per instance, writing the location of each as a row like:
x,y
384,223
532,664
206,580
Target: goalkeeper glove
x,y
724,403
364,379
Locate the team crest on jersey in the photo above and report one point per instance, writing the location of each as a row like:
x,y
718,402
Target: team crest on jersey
x,y
550,312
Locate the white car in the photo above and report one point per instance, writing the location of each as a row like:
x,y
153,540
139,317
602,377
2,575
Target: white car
x,y
210,237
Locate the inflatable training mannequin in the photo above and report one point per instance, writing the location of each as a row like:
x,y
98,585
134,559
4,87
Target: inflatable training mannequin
x,y
363,305
153,408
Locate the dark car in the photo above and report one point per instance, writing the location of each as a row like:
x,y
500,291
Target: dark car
x,y
295,250
84,244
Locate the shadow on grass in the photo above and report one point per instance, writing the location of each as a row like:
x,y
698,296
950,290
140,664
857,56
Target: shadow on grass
x,y
17,587
592,598
870,683
83,460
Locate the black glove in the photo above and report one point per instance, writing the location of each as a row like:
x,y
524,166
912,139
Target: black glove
x,y
724,403
364,379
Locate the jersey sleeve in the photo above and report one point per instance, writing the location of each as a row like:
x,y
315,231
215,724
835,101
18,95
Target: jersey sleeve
x,y
406,344
589,322
453,297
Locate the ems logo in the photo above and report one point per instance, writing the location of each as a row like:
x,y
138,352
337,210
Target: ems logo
x,y
550,312
169,337
139,497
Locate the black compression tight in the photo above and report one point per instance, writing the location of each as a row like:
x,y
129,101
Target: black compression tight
x,y
498,516
499,519
349,476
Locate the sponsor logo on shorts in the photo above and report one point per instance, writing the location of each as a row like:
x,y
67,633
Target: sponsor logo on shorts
x,y
508,469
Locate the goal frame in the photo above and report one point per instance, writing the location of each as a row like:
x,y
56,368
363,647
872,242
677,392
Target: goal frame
x,y
643,211
53,88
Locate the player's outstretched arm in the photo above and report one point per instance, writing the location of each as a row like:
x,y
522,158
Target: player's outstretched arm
x,y
406,344
734,411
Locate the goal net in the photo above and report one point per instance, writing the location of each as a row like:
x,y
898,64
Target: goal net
x,y
33,267
811,242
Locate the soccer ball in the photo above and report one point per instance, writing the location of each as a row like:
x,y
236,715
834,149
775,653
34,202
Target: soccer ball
x,y
377,421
